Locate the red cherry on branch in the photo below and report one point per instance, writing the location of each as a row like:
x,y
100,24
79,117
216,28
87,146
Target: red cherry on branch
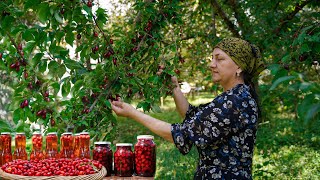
x,y
114,60
79,36
89,3
111,41
0,55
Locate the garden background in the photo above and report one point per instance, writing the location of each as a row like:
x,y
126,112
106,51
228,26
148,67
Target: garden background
x,y
61,60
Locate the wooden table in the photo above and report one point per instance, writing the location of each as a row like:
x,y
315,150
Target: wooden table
x,y
128,178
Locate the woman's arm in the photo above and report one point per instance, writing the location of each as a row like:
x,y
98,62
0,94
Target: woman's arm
x,y
157,126
180,100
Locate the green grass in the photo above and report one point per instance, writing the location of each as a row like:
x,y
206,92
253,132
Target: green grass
x,y
285,148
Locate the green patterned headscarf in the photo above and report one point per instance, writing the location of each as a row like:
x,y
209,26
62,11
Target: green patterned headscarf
x,y
244,54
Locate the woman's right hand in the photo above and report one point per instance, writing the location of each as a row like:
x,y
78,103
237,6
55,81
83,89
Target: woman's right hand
x,y
175,81
122,109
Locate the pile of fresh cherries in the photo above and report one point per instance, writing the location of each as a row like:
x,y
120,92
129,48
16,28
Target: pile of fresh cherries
x,y
53,167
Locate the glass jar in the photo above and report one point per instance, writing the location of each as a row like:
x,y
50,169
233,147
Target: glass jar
x,y
145,156
102,152
66,148
36,153
76,148
123,160
20,150
84,145
52,145
6,155
1,150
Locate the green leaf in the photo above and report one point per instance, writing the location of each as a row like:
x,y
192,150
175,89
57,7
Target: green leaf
x,y
312,112
304,48
31,4
28,35
77,86
87,9
108,104
53,67
5,126
2,65
6,23
274,68
72,64
281,80
66,88
156,108
70,38
58,17
30,46
43,12
17,115
36,59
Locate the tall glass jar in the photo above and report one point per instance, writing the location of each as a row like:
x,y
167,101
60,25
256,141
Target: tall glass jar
x,y
36,153
145,156
76,148
102,152
123,160
85,145
52,145
6,155
66,148
20,150
1,149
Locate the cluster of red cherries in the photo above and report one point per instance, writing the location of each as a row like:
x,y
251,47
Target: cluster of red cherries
x,y
53,167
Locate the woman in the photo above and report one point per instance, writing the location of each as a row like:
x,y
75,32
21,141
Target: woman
x,y
223,130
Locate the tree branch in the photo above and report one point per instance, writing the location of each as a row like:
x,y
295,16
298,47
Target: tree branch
x,y
223,15
242,19
290,16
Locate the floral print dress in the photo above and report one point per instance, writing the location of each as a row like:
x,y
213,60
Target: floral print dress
x,y
224,132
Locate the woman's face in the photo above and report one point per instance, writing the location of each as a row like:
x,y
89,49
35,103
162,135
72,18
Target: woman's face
x,y
223,69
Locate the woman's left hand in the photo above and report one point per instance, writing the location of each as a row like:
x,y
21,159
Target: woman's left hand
x,y
122,108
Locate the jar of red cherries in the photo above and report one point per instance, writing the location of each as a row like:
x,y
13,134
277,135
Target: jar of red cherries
x,y
103,153
145,156
20,144
52,145
6,155
66,145
123,160
84,145
76,147
36,153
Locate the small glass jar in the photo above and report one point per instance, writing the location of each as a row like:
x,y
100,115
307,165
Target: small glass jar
x,y
66,148
76,149
84,145
6,155
145,156
123,160
36,153
20,150
52,145
102,152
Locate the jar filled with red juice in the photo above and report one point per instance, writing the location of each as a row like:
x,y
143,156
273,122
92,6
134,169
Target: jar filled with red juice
x,y
20,147
6,155
102,152
52,145
123,160
84,145
36,153
145,156
76,148
66,145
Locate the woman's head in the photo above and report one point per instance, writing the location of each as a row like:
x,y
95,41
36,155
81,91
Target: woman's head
x,y
244,54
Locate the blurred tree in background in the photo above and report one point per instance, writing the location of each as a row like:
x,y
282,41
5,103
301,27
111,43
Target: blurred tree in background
x,y
64,59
